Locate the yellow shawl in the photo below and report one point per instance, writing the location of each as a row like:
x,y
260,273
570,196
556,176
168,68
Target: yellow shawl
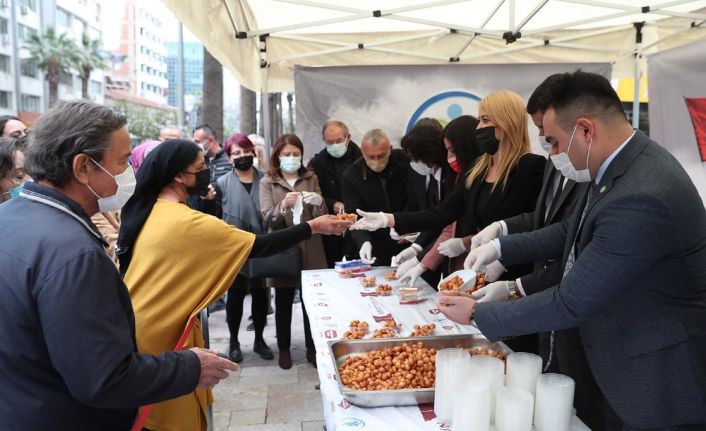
x,y
182,261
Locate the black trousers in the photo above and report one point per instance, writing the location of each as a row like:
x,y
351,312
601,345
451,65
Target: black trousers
x,y
571,360
234,305
284,300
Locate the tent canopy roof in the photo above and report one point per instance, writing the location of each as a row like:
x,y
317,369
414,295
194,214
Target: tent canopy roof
x,y
261,41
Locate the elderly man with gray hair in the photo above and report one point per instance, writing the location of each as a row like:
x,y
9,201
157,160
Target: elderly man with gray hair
x,y
338,154
376,182
68,357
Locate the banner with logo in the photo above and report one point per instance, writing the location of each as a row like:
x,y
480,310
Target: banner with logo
x,y
393,98
677,92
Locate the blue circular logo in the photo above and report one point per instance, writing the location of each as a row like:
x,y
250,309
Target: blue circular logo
x,y
445,107
351,424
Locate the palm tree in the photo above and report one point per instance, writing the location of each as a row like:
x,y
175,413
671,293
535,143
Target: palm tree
x,y
212,101
248,111
53,54
89,57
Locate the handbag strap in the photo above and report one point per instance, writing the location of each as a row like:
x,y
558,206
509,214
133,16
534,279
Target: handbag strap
x,y
147,409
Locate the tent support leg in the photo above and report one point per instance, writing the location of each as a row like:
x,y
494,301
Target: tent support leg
x,y
636,92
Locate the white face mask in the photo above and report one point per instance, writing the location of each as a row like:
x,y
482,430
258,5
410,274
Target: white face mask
x,y
126,187
290,164
563,163
204,151
337,150
421,168
546,146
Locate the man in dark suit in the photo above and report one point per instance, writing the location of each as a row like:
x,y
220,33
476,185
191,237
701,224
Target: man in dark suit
x,y
634,254
561,351
376,182
339,153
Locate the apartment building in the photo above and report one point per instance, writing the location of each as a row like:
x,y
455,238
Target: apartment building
x,y
23,89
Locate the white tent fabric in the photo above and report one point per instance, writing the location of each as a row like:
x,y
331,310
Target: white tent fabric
x,y
260,41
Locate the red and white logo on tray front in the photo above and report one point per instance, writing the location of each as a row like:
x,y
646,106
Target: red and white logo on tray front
x,y
330,333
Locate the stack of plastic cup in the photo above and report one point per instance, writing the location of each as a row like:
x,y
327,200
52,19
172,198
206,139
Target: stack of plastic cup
x,y
471,410
492,370
523,369
513,409
450,364
554,402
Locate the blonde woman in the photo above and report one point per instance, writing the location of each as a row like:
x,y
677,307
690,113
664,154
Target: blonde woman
x,y
505,181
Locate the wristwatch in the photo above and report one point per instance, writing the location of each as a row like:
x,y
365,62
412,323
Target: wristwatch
x,y
512,292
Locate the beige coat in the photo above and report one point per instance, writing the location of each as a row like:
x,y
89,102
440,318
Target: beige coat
x,y
108,223
272,193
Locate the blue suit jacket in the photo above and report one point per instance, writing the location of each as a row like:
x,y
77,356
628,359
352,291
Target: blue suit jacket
x,y
637,290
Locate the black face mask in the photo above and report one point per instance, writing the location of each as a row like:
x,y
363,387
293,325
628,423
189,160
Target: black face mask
x,y
203,179
243,163
486,140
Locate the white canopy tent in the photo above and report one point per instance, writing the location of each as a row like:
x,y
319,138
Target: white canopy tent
x,y
260,41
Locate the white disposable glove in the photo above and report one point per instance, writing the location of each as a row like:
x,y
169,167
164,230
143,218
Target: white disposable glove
x,y
411,237
481,256
492,231
452,247
406,254
394,235
370,221
410,277
312,198
366,252
494,271
406,266
498,291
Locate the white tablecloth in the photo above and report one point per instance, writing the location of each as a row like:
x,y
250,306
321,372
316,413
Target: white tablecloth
x,y
332,302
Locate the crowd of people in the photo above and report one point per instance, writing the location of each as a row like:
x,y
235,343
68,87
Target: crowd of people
x,y
603,242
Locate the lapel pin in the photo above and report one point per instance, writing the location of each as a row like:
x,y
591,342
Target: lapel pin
x,y
602,189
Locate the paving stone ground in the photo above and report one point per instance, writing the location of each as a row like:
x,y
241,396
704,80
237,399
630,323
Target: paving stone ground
x,y
263,397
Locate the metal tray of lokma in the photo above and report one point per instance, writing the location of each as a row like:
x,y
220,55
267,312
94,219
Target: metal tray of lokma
x,y
342,349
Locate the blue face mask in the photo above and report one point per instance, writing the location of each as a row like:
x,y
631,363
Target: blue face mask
x,y
338,149
15,191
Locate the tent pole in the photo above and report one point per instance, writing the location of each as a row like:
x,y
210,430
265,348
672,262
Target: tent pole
x,y
511,15
636,93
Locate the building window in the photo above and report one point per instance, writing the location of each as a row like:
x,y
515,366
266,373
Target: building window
x,y
4,63
66,79
63,17
95,87
29,103
28,69
3,26
26,32
5,99
30,4
81,25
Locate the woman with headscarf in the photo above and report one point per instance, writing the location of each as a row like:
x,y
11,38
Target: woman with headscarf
x,y
176,261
